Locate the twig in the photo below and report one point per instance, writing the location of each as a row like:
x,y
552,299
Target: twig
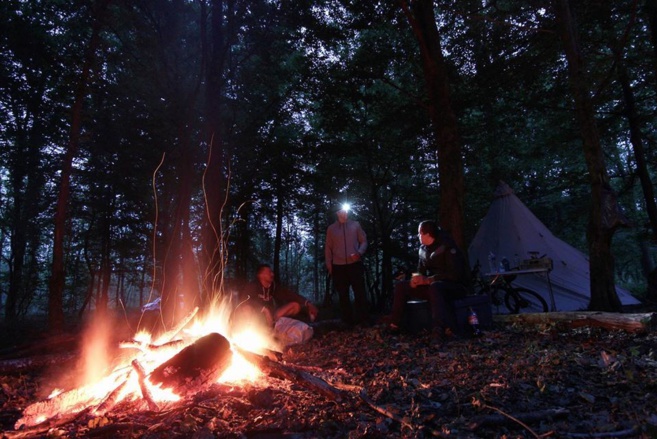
x,y
152,347
533,433
381,410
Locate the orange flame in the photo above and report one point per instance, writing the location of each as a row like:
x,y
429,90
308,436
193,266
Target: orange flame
x,y
100,388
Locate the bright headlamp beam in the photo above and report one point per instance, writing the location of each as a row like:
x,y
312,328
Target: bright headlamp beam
x,y
346,207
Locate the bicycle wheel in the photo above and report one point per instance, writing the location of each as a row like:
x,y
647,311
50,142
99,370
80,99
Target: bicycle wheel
x,y
519,298
496,294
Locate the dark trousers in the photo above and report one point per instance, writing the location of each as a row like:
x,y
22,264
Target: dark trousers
x,y
351,275
440,295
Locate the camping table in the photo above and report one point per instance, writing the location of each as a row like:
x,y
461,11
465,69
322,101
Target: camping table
x,y
545,270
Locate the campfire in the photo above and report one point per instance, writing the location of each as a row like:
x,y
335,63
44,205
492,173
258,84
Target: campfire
x,y
156,373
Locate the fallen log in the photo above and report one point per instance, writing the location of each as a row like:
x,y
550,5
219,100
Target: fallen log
x,y
634,323
288,372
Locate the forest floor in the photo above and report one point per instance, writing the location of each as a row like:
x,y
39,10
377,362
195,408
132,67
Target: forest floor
x,y
515,381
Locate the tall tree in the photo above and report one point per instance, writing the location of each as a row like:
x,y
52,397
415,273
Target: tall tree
x,y
30,120
604,214
55,305
422,19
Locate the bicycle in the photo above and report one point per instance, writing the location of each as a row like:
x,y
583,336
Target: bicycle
x,y
501,291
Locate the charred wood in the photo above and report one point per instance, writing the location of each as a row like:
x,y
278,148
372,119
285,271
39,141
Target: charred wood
x,y
209,355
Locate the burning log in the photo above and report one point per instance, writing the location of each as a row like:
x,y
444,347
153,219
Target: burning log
x,y
110,401
72,401
173,344
208,356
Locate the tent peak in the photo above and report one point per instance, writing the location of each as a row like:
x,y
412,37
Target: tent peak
x,y
502,190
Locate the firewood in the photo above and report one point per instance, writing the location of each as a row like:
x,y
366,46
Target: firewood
x,y
634,323
209,355
145,391
295,375
110,400
169,335
173,344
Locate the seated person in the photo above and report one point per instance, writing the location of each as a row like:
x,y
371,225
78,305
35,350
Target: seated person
x,y
269,302
443,275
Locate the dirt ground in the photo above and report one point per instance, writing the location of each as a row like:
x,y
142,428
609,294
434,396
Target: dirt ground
x,y
524,381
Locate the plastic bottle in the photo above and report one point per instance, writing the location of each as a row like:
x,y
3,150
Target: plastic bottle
x,y
491,262
473,321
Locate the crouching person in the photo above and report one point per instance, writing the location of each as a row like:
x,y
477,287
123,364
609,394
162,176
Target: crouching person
x,y
265,302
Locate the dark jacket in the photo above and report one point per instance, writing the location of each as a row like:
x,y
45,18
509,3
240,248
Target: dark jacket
x,y
273,297
443,260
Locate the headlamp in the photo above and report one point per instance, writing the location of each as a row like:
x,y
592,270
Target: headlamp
x,y
346,207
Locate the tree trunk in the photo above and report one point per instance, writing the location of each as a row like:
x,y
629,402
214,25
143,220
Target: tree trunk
x,y
189,288
319,257
278,238
604,217
422,19
214,180
634,124
18,242
651,10
106,261
58,274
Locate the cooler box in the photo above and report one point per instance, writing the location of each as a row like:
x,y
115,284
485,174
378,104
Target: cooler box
x,y
481,305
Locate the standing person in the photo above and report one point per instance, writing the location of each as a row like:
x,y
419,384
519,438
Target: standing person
x,y
443,275
270,301
345,246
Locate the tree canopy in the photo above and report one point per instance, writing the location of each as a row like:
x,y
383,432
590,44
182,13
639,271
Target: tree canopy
x,y
204,137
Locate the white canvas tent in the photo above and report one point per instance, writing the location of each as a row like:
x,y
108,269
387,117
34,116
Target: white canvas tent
x,y
511,230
